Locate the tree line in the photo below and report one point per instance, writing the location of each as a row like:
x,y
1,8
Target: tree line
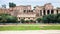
x,y
51,18
7,18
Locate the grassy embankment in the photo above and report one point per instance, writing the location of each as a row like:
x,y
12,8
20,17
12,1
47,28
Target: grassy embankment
x,y
31,27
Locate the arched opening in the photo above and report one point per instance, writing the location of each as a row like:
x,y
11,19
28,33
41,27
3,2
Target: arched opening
x,y
57,11
48,11
40,12
52,11
44,12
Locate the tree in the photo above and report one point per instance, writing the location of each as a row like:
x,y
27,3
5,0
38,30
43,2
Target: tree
x,y
44,19
7,18
31,21
51,18
58,18
12,5
11,19
27,21
22,21
4,6
3,18
38,19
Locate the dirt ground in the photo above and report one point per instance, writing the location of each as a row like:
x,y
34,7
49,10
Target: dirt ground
x,y
32,32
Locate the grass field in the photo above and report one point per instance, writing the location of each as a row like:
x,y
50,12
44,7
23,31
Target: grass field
x,y
30,27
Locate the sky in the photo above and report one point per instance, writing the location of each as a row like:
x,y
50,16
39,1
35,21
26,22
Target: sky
x,y
55,3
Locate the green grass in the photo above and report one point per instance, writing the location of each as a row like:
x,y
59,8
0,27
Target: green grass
x,y
4,28
50,28
19,28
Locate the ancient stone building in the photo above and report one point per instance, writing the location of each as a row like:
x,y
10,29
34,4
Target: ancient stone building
x,y
23,12
26,12
46,9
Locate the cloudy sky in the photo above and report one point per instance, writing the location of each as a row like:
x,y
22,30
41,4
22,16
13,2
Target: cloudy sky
x,y
55,3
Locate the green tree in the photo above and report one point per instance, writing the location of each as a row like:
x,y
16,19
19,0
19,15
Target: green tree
x,y
44,19
39,20
7,18
4,5
22,21
11,19
31,21
51,18
12,4
58,18
27,21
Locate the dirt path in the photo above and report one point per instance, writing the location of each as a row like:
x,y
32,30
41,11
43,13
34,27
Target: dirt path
x,y
31,25
32,32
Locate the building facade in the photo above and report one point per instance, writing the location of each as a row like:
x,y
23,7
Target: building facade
x,y
23,12
26,12
4,10
46,9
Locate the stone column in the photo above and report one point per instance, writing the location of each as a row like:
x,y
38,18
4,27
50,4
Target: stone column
x,y
42,13
55,12
50,11
39,13
46,12
58,11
